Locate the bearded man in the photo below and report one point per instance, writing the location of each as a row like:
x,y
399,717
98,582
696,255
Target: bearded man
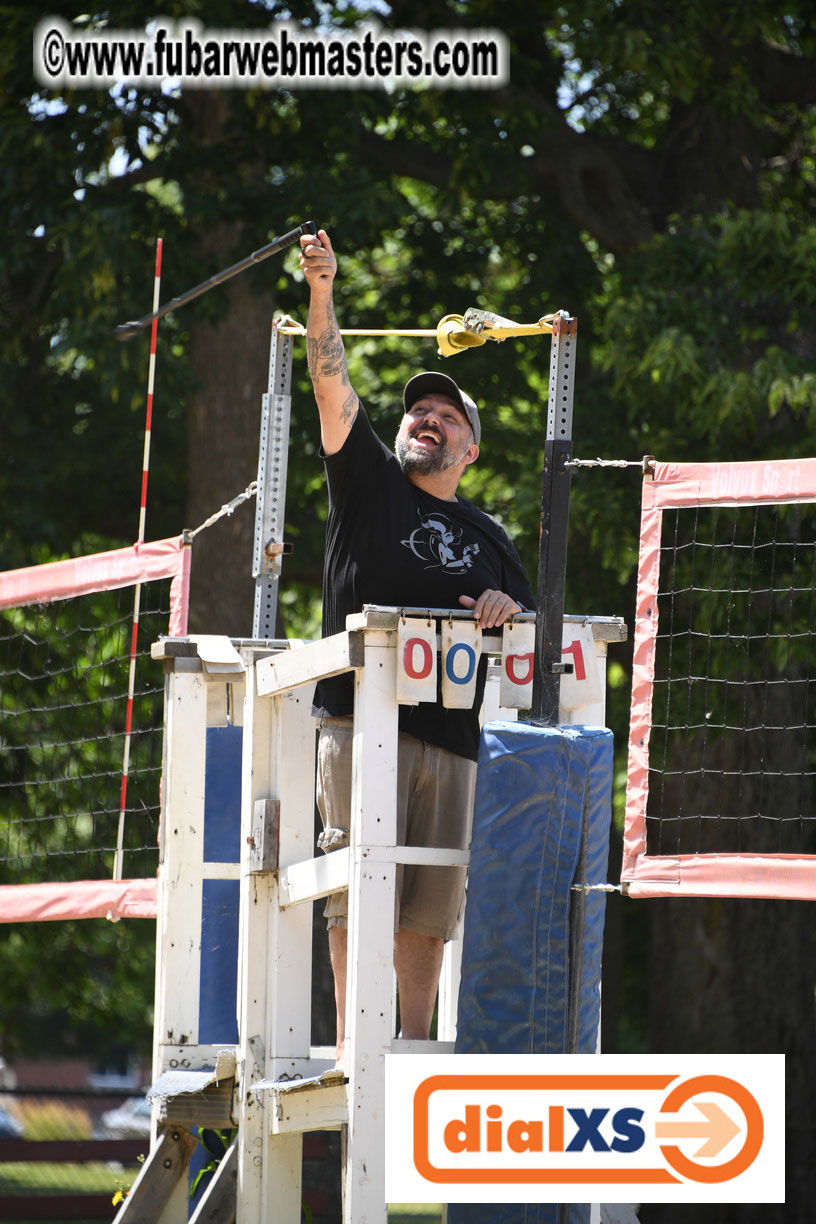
x,y
399,534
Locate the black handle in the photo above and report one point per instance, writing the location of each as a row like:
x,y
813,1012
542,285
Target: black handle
x,y
126,331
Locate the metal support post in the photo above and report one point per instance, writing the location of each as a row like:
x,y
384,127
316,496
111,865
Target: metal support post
x,y
270,510
552,557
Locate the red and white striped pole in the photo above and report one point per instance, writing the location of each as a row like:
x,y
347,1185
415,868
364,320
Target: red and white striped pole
x,y
137,593
151,377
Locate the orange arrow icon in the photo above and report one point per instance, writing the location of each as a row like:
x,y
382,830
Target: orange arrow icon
x,y
718,1129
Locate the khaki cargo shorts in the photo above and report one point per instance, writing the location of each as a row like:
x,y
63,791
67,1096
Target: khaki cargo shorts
x,y
435,791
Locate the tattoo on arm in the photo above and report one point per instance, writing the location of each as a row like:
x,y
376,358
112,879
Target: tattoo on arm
x,y
326,353
326,358
349,410
334,364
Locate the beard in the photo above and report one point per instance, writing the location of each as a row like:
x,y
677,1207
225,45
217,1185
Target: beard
x,y
426,463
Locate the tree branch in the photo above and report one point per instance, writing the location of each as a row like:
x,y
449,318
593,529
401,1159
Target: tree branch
x,y
584,172
780,76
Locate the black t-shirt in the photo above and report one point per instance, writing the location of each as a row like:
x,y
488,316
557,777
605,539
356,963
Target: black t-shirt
x,y
388,542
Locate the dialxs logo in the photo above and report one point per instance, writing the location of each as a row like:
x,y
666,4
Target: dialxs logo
x,y
585,1128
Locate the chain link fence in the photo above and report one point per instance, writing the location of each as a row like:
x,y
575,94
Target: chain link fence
x,y
69,1156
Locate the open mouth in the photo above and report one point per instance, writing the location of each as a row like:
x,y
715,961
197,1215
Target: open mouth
x,y
428,437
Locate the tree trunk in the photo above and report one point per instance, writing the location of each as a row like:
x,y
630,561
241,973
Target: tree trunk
x,y
231,360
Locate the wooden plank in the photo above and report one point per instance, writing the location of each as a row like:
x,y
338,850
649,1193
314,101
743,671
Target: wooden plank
x,y
191,1057
328,657
181,854
314,878
384,617
174,648
220,871
369,1019
212,1107
288,1018
257,782
219,1201
404,1045
449,979
160,1174
275,950
604,628
416,854
320,877
264,843
324,1108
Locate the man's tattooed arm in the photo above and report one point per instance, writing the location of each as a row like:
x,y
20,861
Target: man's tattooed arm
x,y
326,356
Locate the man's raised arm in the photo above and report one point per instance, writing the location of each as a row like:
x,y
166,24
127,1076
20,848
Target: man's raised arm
x,y
336,400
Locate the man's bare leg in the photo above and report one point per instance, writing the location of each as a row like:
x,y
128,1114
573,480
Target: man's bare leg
x,y
338,944
418,961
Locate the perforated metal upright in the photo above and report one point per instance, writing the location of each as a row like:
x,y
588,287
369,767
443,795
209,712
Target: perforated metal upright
x,y
552,557
270,509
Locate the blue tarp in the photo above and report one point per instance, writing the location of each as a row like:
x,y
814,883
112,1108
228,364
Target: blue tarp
x,y
538,790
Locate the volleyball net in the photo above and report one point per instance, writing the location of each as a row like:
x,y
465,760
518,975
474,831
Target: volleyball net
x,y
81,729
722,744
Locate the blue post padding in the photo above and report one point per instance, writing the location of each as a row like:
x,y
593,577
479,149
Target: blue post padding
x,y
538,789
598,821
219,903
218,987
534,785
222,795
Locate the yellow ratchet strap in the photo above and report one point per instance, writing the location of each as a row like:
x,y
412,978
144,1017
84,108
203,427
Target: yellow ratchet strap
x,y
454,333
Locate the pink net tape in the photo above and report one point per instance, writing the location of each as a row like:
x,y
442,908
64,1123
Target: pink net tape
x,y
106,571
80,899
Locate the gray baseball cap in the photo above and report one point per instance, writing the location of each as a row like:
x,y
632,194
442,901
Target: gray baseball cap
x,y
432,382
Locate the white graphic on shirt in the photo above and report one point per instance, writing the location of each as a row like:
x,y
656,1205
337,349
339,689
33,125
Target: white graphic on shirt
x,y
438,542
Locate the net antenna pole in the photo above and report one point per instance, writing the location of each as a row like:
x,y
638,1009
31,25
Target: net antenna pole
x,y
552,554
137,590
126,331
270,506
271,488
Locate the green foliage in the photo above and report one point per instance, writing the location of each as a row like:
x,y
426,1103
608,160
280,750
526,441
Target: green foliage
x,y
655,178
215,1144
79,986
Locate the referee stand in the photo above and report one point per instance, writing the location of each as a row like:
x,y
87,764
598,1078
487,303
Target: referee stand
x,y
238,877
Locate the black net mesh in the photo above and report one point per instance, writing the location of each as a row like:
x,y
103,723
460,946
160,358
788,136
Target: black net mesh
x,y
733,743
63,700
